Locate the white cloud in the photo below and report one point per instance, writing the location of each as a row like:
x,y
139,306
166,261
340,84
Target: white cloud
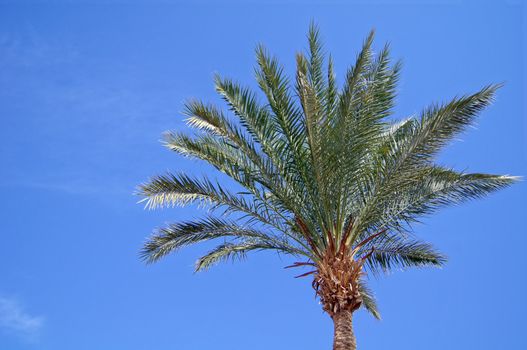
x,y
14,319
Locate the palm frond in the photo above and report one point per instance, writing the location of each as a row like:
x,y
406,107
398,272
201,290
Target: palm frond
x,y
331,91
368,300
437,125
181,190
393,251
168,239
316,62
430,189
238,251
175,236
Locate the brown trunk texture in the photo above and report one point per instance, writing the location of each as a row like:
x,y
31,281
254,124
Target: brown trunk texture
x,y
343,338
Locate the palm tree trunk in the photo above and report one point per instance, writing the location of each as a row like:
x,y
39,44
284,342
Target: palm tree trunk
x,y
343,338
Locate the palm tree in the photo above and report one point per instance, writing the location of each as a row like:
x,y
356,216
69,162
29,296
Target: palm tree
x,y
328,176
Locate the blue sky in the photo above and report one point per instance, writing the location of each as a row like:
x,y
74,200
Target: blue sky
x,y
87,89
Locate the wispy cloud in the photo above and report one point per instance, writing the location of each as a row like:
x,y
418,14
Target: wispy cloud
x,y
15,320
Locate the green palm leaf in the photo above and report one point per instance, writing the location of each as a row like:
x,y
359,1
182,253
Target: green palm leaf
x,y
321,172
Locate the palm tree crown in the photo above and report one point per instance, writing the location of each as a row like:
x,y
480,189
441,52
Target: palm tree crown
x,y
328,175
